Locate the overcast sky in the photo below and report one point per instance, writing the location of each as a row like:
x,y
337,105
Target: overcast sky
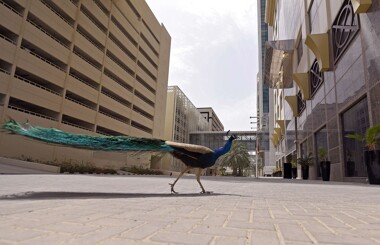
x,y
214,57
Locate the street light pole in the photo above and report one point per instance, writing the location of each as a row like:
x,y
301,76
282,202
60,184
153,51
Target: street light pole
x,y
257,158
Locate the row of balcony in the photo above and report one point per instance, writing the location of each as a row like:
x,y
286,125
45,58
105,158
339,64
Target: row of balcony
x,y
42,93
28,63
75,113
59,33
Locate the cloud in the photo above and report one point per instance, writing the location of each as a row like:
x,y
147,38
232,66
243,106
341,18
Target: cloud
x,y
214,57
236,116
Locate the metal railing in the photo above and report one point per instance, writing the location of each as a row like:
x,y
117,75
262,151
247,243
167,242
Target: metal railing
x,y
59,15
80,103
11,8
42,58
51,36
83,81
31,112
76,125
37,85
88,39
8,39
85,59
113,117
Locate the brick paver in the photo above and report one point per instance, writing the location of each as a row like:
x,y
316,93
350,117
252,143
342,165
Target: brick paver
x,y
89,209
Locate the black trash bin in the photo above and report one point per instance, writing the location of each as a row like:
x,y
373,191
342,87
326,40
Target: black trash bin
x,y
287,170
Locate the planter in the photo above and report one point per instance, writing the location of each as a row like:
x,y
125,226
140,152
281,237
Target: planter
x,y
287,170
325,170
294,173
305,172
277,174
350,168
372,162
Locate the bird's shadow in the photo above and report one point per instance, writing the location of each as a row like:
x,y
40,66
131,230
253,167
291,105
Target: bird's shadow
x,y
100,195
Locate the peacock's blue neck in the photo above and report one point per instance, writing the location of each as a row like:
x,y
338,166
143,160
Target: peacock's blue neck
x,y
223,150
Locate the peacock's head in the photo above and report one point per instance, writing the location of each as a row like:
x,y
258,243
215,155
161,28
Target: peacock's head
x,y
233,136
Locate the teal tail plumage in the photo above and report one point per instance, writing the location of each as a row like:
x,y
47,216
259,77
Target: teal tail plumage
x,y
97,143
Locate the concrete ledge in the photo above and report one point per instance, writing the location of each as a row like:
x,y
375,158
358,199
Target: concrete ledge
x,y
29,165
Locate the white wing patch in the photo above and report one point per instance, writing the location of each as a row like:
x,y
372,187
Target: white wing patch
x,y
190,147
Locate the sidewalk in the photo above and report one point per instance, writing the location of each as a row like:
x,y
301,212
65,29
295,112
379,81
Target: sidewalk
x,y
86,209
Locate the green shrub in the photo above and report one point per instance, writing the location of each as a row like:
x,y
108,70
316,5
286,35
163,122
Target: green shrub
x,y
141,170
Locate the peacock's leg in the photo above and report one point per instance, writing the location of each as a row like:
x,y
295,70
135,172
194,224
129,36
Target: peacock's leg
x,y
179,176
199,179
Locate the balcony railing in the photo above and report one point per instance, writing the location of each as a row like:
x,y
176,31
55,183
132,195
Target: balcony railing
x,y
38,85
31,112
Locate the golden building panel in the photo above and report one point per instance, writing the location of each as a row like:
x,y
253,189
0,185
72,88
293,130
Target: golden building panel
x,y
55,78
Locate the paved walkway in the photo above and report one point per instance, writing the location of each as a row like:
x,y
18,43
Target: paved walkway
x,y
80,209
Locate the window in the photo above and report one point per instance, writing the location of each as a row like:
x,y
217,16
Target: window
x,y
353,149
300,102
316,77
299,48
311,14
320,142
344,29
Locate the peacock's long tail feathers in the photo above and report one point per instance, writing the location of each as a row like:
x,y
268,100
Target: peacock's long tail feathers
x,y
98,143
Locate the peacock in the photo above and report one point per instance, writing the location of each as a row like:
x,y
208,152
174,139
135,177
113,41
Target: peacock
x,y
193,156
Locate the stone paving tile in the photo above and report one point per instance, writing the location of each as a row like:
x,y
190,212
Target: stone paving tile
x,y
219,231
183,225
113,222
345,239
52,238
18,235
251,226
182,238
143,231
124,241
264,237
97,236
68,209
72,228
294,233
230,241
216,218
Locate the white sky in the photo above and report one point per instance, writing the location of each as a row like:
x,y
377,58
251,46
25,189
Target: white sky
x,y
214,56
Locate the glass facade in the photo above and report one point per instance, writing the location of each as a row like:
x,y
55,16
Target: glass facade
x,y
264,39
355,120
344,97
320,143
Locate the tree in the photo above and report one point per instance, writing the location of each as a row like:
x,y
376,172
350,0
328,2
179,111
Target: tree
x,y
237,158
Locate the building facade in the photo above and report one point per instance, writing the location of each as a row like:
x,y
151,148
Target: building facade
x,y
182,117
323,67
214,124
264,116
83,66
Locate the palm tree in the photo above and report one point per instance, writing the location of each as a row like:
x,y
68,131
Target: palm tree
x,y
237,158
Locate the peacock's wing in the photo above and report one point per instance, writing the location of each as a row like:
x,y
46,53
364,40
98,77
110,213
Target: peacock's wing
x,y
192,155
190,147
98,143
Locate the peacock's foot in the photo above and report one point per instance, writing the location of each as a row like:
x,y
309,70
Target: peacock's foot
x,y
172,189
206,192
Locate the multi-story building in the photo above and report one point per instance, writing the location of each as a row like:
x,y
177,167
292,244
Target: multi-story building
x,y
83,66
323,65
263,118
214,124
182,117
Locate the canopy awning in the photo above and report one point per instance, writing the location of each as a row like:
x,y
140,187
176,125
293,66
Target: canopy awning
x,y
278,65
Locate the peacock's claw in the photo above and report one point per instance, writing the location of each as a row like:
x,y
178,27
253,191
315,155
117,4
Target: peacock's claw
x,y
172,189
206,192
